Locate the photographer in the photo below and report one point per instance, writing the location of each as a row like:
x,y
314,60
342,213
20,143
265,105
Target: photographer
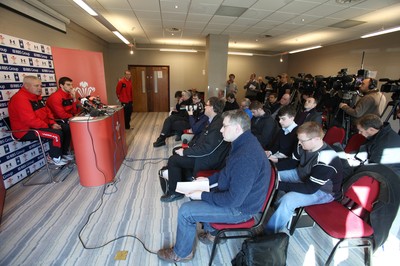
x,y
372,102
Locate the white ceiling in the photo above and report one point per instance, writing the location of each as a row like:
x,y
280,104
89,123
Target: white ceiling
x,y
292,24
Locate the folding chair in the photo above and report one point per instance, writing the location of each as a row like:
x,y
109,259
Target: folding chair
x,y
249,227
334,134
348,219
51,177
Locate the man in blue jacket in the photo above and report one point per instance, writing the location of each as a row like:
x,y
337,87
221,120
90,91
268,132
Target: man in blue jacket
x,y
239,195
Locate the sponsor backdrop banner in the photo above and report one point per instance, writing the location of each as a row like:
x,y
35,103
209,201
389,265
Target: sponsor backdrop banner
x,y
21,57
85,68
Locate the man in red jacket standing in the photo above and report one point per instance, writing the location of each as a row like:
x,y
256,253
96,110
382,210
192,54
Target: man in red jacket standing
x,y
124,94
27,110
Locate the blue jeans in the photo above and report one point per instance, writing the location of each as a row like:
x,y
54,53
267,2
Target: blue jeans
x,y
292,200
196,211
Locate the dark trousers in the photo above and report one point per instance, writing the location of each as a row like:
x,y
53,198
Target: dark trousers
x,y
54,135
175,124
128,109
179,169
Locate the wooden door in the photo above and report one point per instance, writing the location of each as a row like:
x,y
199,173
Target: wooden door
x,y
150,88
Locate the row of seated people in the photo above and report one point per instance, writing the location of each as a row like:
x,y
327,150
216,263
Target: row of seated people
x,y
315,178
263,126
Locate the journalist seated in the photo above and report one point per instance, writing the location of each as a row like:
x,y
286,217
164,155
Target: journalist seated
x,y
382,145
239,195
206,151
316,180
177,121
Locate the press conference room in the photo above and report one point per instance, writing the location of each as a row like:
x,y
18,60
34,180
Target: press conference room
x,y
104,207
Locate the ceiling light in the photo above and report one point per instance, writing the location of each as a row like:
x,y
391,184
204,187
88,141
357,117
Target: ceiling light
x,y
281,59
381,32
305,49
239,53
122,38
85,7
179,50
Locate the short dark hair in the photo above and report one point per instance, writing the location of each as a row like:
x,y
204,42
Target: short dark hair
x,y
217,104
62,80
239,117
287,110
369,120
178,94
232,75
231,95
255,105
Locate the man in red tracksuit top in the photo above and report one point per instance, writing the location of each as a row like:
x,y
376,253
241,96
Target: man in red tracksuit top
x,y
27,110
61,103
124,94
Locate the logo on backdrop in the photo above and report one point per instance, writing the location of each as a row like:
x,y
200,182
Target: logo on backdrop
x,y
84,89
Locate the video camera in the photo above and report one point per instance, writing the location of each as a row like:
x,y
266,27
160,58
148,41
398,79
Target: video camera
x,y
390,85
272,80
197,106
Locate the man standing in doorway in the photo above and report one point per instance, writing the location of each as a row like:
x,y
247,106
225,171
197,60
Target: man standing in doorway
x,y
124,94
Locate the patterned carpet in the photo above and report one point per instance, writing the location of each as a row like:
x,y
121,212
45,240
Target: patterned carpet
x,y
42,225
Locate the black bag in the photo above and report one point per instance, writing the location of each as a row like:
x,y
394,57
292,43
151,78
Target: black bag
x,y
163,180
267,250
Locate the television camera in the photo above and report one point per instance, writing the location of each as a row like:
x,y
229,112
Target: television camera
x,y
392,86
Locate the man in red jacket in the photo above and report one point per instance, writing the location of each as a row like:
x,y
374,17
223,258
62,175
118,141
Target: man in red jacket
x,y
124,94
62,103
27,110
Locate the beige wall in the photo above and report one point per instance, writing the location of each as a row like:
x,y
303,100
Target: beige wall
x,y
382,53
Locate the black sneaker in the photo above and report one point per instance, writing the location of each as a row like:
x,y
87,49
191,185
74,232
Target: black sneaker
x,y
171,197
159,142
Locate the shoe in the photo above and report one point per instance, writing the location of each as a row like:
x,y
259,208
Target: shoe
x,y
68,157
168,254
208,239
171,197
159,142
58,161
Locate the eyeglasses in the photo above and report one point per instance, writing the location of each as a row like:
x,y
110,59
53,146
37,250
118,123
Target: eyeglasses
x,y
305,140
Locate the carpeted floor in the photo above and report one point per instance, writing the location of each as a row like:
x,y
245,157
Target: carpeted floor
x,y
43,225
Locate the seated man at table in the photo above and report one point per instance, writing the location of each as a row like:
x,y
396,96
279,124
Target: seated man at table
x,y
28,111
240,193
316,180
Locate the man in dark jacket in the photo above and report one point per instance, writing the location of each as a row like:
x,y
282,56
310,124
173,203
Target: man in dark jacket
x,y
309,113
239,195
263,126
382,145
206,151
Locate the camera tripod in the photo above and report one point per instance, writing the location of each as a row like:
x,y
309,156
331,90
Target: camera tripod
x,y
395,103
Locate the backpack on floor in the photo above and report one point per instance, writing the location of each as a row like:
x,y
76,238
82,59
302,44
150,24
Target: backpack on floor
x,y
267,250
163,176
